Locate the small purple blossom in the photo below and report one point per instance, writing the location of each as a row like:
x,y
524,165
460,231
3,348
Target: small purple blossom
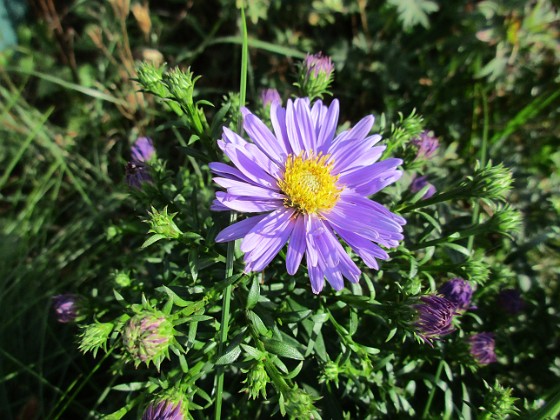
x,y
317,64
308,187
67,307
142,150
434,317
419,182
510,300
426,143
482,347
458,291
268,96
137,170
164,410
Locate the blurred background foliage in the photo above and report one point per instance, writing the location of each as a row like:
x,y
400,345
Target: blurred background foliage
x,y
69,111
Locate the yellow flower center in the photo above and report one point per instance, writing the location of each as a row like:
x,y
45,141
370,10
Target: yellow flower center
x,y
308,183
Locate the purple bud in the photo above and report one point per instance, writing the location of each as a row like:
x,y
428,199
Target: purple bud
x,y
67,307
457,291
420,182
270,96
142,150
434,317
136,174
137,171
427,144
318,64
510,300
482,347
164,410
147,337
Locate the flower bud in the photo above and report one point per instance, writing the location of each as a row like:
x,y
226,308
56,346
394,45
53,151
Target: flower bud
x,y
457,291
270,96
490,182
482,348
137,171
316,75
256,381
161,223
510,301
147,337
95,336
165,410
419,183
150,78
426,144
434,316
68,307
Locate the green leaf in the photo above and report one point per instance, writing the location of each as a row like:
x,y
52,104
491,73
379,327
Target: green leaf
x,y
229,356
152,239
283,349
254,293
414,12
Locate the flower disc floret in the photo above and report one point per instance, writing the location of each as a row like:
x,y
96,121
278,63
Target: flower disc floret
x,y
309,184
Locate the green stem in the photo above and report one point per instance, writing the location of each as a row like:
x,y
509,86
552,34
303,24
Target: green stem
x,y
483,153
433,391
224,326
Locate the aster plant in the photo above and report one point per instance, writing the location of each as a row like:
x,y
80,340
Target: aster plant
x,y
309,187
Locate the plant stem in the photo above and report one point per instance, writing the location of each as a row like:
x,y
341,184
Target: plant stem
x,y
433,391
483,153
224,326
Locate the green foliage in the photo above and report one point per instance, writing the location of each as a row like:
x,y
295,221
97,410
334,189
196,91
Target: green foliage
x,y
72,99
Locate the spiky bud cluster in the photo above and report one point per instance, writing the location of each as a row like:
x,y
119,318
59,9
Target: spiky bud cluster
x,y
161,223
147,337
256,381
316,74
95,337
498,403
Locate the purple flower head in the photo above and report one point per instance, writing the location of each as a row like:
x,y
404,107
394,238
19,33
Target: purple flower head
x,y
482,347
307,185
434,317
147,337
164,410
142,150
426,143
420,182
510,300
137,171
457,291
318,64
268,96
67,307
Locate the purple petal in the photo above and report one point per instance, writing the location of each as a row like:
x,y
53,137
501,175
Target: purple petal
x,y
325,121
239,229
296,247
264,139
266,239
245,204
316,277
243,189
371,179
278,120
350,154
358,132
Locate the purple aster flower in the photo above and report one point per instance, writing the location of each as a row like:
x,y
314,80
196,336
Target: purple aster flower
x,y
317,64
426,143
164,410
457,291
510,300
67,307
268,96
137,171
434,317
482,347
420,182
308,185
